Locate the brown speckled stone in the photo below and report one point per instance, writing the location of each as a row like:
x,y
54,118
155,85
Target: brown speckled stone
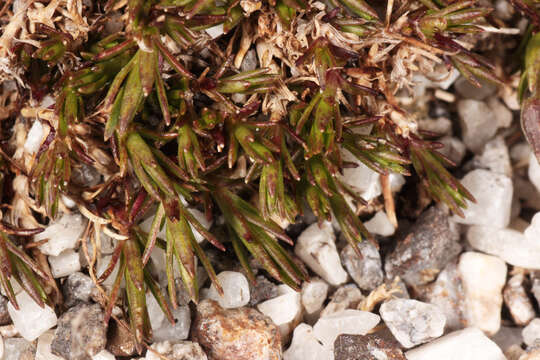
x,y
380,345
235,334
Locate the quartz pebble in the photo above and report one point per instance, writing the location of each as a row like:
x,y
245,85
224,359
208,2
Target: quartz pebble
x,y
429,245
453,149
366,271
31,320
477,125
493,194
514,247
483,278
285,310
18,349
494,157
317,248
103,355
380,224
304,345
412,322
43,349
355,322
314,294
531,332
345,297
361,178
375,346
517,301
62,234
466,344
64,264
184,350
81,333
77,288
534,171
34,138
447,294
235,334
235,290
178,331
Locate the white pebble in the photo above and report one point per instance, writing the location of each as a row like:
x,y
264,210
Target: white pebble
x,y
31,320
361,178
493,194
317,248
305,346
63,234
65,264
531,332
103,355
483,277
313,295
235,290
43,350
380,224
466,344
353,322
285,310
34,138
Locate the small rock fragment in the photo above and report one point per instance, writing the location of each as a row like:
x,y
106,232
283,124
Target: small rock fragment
x,y
305,346
431,243
317,248
446,293
470,91
120,342
510,245
507,338
62,234
43,350
31,320
355,322
517,301
345,297
103,355
235,334
4,314
285,310
466,344
361,178
18,349
366,271
81,333
493,194
178,331
262,290
531,332
534,171
477,125
235,290
367,347
77,288
380,224
453,149
314,294
412,322
64,264
183,350
494,157
483,278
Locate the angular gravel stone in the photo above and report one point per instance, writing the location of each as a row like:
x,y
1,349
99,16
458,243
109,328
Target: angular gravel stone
x,y
235,334
184,350
64,264
77,288
477,125
531,332
447,294
432,242
305,346
466,344
18,349
494,157
62,234
367,347
517,301
43,350
483,278
263,290
103,355
354,322
317,248
178,331
120,342
235,290
81,333
346,297
4,314
493,194
412,322
31,320
285,310
366,271
361,178
380,224
314,294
